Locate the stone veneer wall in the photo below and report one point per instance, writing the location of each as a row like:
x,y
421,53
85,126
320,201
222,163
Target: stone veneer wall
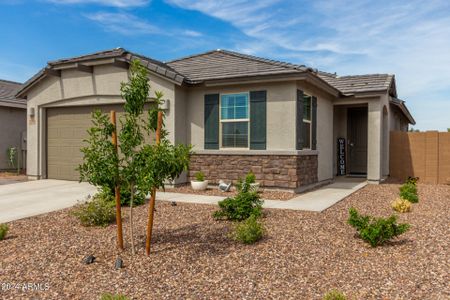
x,y
275,171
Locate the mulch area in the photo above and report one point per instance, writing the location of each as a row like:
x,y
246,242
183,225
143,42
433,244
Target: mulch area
x,y
264,193
303,255
9,177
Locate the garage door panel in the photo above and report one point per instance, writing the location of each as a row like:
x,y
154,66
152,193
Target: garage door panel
x,y
66,131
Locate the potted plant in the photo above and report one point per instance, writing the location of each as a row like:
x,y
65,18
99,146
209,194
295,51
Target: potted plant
x,y
199,184
249,184
250,179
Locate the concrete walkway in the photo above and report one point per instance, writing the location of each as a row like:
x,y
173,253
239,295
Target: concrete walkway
x,y
317,200
26,199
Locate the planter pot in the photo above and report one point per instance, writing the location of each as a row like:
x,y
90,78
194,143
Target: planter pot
x,y
254,187
199,185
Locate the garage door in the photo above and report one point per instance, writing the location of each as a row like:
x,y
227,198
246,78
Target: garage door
x,y
66,129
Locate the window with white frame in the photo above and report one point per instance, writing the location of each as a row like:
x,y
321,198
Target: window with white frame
x,y
307,120
234,119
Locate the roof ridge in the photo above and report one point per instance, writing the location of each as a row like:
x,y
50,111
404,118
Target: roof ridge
x,y
10,81
266,60
62,60
362,75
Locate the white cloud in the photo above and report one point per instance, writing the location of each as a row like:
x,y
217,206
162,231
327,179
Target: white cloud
x,y
123,23
113,3
192,33
407,38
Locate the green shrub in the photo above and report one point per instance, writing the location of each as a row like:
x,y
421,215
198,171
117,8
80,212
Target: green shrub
x,y
401,205
200,176
376,231
248,231
108,296
334,295
125,196
412,180
100,211
240,207
3,231
408,191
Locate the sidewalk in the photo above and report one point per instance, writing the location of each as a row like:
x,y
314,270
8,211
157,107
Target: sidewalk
x,y
317,200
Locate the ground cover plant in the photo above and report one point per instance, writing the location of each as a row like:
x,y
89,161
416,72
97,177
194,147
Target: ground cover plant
x,y
401,205
3,231
334,295
376,231
97,211
408,190
113,297
248,231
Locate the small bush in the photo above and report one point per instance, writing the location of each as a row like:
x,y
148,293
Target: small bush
x,y
240,207
376,231
401,205
200,176
408,191
3,231
248,231
412,180
113,297
334,295
97,212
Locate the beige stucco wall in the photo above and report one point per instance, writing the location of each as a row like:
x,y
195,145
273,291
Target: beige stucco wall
x,y
281,99
325,141
12,123
76,88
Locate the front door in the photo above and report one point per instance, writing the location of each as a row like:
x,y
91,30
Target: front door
x,y
357,140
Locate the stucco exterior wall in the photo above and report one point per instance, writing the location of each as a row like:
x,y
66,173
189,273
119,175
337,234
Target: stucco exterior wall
x,y
281,99
13,123
325,144
76,88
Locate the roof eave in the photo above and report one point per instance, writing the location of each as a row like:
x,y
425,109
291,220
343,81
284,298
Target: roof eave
x,y
403,108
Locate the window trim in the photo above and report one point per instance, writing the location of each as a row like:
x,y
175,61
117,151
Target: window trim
x,y
308,121
234,120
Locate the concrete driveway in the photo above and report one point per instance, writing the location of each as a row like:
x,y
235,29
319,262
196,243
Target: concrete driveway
x,y
26,199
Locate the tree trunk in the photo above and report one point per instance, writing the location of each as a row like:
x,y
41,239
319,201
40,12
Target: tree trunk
x,y
131,218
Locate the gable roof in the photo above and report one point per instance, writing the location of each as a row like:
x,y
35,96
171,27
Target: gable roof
x,y
223,64
8,90
119,54
349,85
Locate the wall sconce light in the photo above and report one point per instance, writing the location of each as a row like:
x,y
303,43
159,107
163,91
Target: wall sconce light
x,y
165,104
31,111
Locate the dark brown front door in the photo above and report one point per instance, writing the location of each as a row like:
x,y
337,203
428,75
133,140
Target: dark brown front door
x,y
357,140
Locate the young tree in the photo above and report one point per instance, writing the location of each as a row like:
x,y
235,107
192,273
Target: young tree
x,y
140,167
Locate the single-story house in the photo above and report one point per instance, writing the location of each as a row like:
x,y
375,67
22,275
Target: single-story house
x,y
13,123
293,126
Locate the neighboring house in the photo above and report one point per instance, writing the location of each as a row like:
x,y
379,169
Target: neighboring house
x,y
240,112
13,118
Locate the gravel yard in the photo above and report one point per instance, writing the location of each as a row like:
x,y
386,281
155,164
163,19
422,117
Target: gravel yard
x,y
265,194
303,256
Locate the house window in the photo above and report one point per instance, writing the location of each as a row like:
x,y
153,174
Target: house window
x,y
307,120
234,119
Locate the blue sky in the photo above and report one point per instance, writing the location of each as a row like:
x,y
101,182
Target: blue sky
x,y
410,39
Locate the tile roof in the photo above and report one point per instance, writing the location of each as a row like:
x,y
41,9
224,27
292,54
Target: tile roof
x,y
8,90
119,53
358,83
222,64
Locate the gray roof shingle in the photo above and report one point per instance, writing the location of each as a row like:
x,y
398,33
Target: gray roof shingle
x,y
358,83
221,64
8,90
